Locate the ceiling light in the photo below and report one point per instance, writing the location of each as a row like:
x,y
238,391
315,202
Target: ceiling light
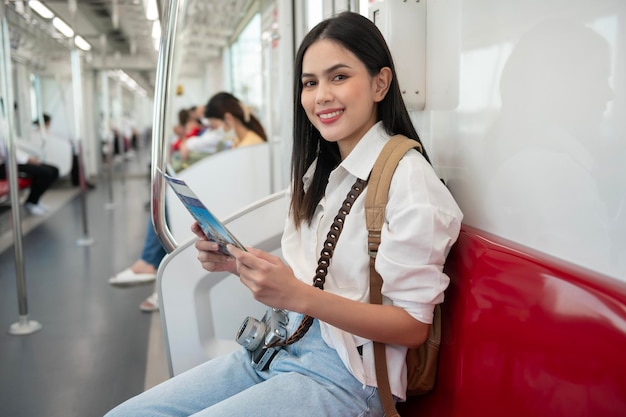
x,y
41,10
63,27
82,43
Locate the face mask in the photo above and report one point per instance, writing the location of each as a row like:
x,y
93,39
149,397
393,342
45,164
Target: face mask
x,y
228,135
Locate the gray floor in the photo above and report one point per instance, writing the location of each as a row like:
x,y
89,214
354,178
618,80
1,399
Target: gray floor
x,y
92,351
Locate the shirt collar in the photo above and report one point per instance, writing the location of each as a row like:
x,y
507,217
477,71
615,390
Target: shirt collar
x,y
361,160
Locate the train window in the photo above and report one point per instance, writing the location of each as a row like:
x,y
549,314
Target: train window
x,y
314,13
315,10
34,96
363,7
246,58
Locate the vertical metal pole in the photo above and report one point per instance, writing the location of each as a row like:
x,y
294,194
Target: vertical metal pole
x,y
117,116
24,326
268,87
288,26
138,110
105,132
163,81
85,240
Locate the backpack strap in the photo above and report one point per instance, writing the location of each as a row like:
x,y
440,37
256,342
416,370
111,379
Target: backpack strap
x,y
375,204
378,186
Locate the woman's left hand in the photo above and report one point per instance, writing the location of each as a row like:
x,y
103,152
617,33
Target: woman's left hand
x,y
271,281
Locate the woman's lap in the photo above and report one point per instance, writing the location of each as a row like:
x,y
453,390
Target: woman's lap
x,y
307,378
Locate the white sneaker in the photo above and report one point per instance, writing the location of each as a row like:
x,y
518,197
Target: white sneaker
x,y
127,278
35,209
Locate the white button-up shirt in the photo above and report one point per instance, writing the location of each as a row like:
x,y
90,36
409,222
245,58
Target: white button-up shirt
x,y
422,221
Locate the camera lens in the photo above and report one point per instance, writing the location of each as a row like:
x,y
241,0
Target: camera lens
x,y
251,333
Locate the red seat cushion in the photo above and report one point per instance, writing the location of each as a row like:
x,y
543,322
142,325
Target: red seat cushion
x,y
22,183
525,334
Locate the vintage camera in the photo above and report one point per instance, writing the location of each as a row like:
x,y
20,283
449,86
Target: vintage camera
x,y
261,337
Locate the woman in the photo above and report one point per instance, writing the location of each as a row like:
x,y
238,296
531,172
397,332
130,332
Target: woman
x,y
348,105
245,129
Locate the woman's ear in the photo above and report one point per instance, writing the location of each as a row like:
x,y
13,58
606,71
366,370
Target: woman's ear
x,y
229,121
382,81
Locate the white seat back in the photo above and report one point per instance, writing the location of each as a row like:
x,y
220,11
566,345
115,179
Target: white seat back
x,y
58,152
201,311
224,182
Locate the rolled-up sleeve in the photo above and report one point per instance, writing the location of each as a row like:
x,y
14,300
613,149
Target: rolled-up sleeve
x,y
422,222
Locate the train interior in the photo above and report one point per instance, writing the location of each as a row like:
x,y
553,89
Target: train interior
x,y
517,103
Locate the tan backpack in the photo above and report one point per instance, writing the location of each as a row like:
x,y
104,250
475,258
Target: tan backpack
x,y
421,362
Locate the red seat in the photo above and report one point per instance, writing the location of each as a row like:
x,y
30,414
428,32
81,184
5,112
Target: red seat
x,y
525,334
22,184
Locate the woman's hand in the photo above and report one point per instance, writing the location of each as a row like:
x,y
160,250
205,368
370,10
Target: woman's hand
x,y
208,255
271,281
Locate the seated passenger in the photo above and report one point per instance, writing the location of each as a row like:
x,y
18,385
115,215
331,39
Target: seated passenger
x,y
42,177
211,140
225,110
319,360
37,138
236,117
188,126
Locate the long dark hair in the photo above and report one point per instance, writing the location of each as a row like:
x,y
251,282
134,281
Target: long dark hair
x,y
222,103
360,36
183,117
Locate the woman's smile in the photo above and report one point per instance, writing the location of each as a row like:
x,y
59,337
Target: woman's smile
x,y
329,116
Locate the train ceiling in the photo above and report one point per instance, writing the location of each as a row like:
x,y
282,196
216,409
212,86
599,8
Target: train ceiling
x,y
121,35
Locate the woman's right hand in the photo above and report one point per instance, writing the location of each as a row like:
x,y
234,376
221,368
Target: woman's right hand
x,y
210,258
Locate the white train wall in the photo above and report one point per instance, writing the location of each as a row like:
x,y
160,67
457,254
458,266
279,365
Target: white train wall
x,y
524,120
523,116
523,113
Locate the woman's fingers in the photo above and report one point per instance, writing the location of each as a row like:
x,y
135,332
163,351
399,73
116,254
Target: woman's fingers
x,y
195,228
211,258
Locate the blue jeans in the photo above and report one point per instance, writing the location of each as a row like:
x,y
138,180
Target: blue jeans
x,y
152,252
306,378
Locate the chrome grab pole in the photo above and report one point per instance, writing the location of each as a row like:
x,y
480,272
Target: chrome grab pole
x,y
159,139
106,136
77,91
118,112
7,118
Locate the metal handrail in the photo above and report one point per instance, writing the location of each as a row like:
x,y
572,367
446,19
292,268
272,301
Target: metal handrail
x,y
159,154
24,325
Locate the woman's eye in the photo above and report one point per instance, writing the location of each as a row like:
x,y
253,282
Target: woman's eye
x,y
308,83
339,77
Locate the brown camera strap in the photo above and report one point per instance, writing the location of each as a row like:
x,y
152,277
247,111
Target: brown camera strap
x,y
327,253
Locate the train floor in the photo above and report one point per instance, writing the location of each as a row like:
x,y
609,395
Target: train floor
x,y
96,348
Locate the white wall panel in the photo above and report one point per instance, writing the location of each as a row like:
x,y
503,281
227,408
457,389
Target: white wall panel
x,y
535,149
